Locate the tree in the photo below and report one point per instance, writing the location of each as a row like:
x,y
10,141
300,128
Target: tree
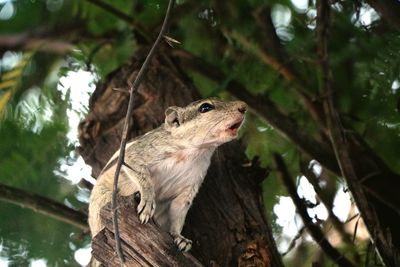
x,y
321,81
233,190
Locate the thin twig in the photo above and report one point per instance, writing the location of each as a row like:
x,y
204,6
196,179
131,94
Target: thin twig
x,y
44,205
292,244
315,232
124,140
352,218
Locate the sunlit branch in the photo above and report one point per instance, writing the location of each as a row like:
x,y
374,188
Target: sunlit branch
x,y
151,238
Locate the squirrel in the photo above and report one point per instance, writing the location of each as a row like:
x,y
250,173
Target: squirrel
x,y
168,164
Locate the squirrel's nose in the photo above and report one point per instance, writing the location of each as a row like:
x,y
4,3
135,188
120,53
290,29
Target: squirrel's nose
x,y
242,107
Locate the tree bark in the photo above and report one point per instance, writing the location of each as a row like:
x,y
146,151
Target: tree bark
x,y
389,10
227,221
144,244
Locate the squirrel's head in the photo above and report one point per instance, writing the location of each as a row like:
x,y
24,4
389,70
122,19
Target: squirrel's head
x,y
207,122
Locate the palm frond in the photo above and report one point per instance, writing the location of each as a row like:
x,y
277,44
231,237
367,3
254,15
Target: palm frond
x,y
10,80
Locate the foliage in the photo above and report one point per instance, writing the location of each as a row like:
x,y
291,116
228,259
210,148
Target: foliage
x,y
364,60
9,80
30,154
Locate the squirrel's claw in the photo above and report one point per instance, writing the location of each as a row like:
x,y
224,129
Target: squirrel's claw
x,y
183,243
146,210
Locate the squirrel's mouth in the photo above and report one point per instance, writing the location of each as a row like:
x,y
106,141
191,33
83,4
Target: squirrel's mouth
x,y
235,126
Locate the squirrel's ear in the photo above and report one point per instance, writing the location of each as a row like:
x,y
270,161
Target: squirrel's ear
x,y
172,117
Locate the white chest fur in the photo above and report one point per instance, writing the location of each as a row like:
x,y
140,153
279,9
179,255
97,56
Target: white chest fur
x,y
180,172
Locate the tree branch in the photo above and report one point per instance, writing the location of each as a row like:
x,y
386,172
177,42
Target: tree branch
x,y
270,39
340,143
122,16
315,232
327,199
299,86
272,46
388,9
59,39
42,39
128,116
112,10
143,244
26,42
43,205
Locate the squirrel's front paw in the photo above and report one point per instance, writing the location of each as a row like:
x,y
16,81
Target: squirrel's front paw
x,y
146,209
183,243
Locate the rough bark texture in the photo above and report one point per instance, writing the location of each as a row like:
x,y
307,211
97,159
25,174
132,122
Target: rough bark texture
x,y
144,244
227,221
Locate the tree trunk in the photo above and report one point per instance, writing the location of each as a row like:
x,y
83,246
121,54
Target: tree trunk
x,y
226,222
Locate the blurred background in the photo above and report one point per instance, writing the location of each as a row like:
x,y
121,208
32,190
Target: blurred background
x,y
54,52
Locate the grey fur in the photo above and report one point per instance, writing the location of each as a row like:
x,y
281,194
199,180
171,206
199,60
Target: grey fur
x,y
167,165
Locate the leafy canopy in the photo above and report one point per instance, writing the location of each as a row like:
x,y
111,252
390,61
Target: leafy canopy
x,y
363,55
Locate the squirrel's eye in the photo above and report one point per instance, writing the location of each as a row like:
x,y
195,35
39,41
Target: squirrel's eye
x,y
205,107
